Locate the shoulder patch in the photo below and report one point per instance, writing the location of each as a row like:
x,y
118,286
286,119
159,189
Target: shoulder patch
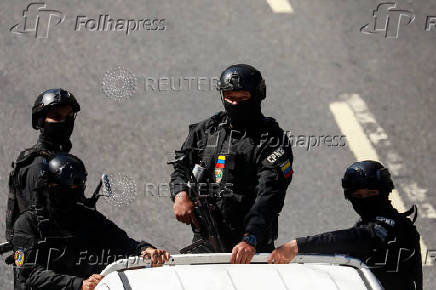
x,y
273,157
286,168
19,258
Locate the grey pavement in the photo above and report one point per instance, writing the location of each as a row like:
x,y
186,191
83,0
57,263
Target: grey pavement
x,y
308,58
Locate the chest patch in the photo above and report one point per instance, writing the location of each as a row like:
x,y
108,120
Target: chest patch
x,y
219,167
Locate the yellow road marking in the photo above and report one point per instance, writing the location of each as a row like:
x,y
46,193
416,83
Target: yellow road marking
x,y
280,6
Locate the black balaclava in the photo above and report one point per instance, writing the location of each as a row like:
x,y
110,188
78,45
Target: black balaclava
x,y
58,133
244,114
373,206
61,203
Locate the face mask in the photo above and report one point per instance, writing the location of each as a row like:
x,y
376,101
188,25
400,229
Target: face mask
x,y
244,113
59,132
63,198
371,206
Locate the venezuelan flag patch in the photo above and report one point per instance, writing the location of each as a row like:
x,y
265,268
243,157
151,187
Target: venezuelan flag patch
x,y
286,168
221,162
219,167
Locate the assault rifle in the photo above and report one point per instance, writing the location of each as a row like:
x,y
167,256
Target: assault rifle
x,y
205,212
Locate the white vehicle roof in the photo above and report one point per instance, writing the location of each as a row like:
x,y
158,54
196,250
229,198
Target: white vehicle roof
x,y
212,271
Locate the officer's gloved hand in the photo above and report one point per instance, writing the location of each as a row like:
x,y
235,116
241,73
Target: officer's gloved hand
x,y
91,282
183,209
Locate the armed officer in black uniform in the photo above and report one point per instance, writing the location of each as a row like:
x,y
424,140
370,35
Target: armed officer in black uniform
x,y
248,159
53,113
61,244
384,239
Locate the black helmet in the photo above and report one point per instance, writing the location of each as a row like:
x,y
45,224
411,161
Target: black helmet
x,y
243,77
51,98
67,170
367,174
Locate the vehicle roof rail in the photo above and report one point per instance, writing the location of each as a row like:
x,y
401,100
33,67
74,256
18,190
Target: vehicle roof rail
x,y
224,258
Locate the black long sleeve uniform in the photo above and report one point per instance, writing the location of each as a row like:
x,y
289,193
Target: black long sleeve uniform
x,y
27,180
61,256
256,164
389,245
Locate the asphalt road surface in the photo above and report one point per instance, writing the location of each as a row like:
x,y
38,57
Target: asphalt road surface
x,y
140,88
